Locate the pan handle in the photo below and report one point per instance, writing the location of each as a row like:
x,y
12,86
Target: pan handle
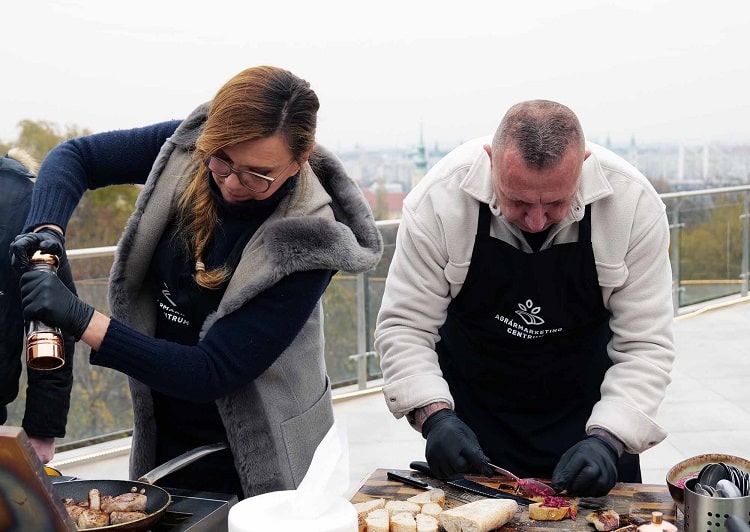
x,y
181,461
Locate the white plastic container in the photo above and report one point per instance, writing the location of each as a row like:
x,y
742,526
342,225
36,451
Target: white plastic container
x,y
275,511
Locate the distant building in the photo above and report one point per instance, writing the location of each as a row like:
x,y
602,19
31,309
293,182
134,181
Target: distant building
x,y
385,204
420,160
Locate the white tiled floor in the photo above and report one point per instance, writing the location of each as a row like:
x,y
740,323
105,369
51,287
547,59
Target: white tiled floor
x,y
707,408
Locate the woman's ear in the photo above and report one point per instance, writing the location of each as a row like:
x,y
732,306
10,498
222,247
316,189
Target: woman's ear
x,y
306,155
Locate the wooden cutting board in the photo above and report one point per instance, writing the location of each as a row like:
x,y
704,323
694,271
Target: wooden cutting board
x,y
634,502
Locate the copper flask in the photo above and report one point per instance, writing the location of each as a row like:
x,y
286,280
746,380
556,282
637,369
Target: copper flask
x,y
44,344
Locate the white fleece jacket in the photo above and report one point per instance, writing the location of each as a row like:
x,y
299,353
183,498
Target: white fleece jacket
x,y
630,237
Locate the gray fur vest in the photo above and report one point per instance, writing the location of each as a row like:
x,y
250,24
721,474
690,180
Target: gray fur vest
x,y
275,422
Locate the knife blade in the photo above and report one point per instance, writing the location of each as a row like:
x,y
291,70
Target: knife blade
x,y
471,486
457,494
487,491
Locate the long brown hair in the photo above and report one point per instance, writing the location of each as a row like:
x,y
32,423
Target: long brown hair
x,y
256,103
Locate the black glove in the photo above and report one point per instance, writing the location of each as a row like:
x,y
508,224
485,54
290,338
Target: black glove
x,y
46,298
452,447
23,247
587,469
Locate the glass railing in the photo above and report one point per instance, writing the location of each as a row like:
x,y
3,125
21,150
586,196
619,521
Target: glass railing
x,y
709,255
709,243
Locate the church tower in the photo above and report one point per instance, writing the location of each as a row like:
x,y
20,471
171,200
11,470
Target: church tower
x,y
420,160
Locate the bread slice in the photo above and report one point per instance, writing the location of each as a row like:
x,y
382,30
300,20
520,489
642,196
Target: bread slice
x,y
378,520
434,495
478,516
403,522
537,512
426,523
364,508
431,508
395,507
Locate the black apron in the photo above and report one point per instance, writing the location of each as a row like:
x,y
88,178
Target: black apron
x,y
524,350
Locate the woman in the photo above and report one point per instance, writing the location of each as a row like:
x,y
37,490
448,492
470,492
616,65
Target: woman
x,y
216,286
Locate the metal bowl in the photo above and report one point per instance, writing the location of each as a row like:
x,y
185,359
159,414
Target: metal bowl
x,y
687,469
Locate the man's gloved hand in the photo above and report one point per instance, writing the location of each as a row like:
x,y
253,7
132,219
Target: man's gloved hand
x,y
587,469
46,298
452,447
23,247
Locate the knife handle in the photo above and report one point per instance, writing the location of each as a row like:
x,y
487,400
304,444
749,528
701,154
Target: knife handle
x,y
422,467
411,481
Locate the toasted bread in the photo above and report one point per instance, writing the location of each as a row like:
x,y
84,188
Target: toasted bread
x,y
436,496
537,512
364,508
403,522
431,508
426,523
378,520
395,507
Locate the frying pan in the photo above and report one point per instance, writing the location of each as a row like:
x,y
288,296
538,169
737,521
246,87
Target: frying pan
x,y
157,499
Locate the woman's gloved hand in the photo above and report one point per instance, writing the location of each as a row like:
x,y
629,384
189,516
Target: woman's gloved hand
x,y
47,240
588,468
46,298
452,447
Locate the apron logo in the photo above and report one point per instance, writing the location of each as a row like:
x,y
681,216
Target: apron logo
x,y
529,313
531,320
166,295
170,312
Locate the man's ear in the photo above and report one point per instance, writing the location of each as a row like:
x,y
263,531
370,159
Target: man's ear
x,y
586,154
488,149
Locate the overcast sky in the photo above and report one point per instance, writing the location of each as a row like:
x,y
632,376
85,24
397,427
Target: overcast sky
x,y
659,70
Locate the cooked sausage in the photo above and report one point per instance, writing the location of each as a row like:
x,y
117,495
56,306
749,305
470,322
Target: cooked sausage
x,y
92,519
127,502
116,518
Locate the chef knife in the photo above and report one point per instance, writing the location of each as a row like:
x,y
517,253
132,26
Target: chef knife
x,y
471,486
457,494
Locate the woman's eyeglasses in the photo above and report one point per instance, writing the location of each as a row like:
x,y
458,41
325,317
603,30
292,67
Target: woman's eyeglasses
x,y
250,180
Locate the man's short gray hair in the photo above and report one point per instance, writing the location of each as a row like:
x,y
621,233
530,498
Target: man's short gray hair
x,y
541,130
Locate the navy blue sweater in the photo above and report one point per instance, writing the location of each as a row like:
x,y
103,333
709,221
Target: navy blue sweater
x,y
239,346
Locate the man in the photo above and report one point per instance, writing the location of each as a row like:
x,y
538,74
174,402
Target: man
x,y
527,314
48,392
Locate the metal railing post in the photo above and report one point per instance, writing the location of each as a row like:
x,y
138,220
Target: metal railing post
x,y
361,331
674,229
745,244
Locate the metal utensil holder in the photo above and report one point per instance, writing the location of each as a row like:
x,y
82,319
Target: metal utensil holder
x,y
709,514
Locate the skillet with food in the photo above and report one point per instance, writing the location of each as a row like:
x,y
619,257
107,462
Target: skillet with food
x,y
156,503
157,500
